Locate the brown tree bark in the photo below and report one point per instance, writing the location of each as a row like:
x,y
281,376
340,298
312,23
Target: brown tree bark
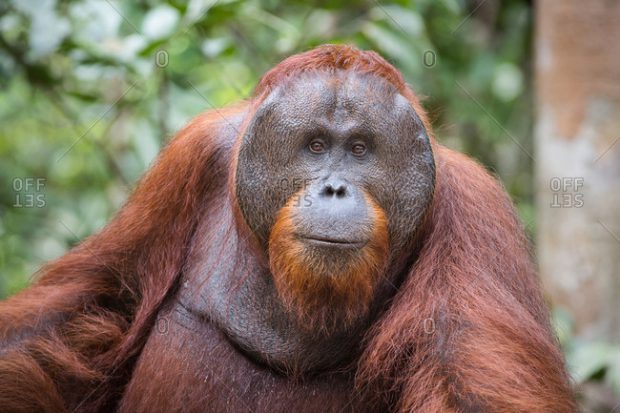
x,y
578,160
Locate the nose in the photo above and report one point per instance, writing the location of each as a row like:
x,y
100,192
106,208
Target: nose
x,y
334,188
337,212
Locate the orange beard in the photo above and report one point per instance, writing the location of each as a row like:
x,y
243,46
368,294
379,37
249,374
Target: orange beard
x,y
323,292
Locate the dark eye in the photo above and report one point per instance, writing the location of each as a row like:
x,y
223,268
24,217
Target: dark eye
x,y
359,149
317,147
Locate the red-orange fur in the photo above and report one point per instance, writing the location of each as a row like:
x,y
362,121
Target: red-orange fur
x,y
467,331
490,347
322,294
108,290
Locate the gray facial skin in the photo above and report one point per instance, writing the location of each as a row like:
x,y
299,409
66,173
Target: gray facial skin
x,y
341,109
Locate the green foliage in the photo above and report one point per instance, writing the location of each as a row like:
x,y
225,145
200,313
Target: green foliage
x,y
588,360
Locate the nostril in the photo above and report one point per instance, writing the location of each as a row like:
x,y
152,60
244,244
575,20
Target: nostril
x,y
339,190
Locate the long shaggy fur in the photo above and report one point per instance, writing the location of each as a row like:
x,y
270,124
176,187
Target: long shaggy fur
x,y
468,330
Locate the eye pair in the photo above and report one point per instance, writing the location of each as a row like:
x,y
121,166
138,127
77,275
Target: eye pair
x,y
317,146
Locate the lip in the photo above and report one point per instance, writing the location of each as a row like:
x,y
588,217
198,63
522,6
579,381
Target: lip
x,y
332,242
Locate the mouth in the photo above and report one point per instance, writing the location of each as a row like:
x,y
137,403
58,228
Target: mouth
x,y
320,241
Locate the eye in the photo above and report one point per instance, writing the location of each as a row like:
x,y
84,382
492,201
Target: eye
x,y
316,146
359,149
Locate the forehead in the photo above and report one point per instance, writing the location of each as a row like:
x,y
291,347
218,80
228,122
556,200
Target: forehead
x,y
337,98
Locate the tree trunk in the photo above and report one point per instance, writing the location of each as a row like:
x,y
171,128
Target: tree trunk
x,y
578,161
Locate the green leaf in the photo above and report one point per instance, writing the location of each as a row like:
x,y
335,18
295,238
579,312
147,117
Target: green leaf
x,y
587,359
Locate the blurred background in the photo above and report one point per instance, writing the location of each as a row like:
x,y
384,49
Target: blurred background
x,y
90,91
